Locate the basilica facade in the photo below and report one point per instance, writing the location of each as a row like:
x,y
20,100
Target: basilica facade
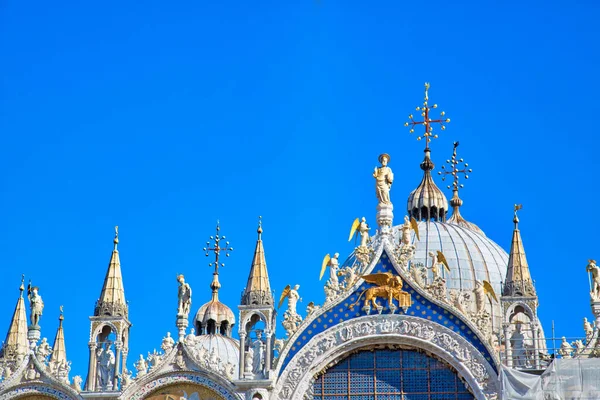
x,y
427,308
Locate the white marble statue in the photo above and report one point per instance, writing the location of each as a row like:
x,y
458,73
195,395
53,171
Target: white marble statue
x,y
405,230
76,384
517,344
363,230
190,339
167,343
566,350
293,298
595,289
106,365
480,298
248,360
258,348
43,351
589,330
31,373
62,372
126,378
185,297
333,269
141,366
179,359
383,180
36,304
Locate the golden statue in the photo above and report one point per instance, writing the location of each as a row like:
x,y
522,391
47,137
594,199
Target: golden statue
x,y
389,286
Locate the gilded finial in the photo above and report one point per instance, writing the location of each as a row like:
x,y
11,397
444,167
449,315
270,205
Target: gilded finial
x,y
116,239
61,317
217,249
427,121
516,218
259,230
22,287
454,170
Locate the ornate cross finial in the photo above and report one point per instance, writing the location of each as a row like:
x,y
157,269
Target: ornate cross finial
x,y
428,135
217,249
517,208
454,170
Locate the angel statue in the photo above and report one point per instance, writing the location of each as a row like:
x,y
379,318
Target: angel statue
x,y
595,289
36,304
438,258
360,227
333,264
292,296
409,224
184,295
483,288
384,178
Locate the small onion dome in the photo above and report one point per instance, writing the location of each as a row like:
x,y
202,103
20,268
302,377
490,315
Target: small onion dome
x,y
214,317
427,201
228,349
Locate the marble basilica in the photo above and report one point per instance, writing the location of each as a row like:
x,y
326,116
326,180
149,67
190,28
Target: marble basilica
x,y
427,308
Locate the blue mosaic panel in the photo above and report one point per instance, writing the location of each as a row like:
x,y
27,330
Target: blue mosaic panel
x,y
390,375
349,309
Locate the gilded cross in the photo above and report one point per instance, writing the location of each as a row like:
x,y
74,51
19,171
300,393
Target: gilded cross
x,y
427,121
217,249
455,170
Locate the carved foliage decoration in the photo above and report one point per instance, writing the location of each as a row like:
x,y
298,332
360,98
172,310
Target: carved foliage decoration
x,y
329,346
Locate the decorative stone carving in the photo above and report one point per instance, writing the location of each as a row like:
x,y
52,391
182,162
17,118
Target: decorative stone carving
x,y
419,274
167,343
179,361
43,351
141,367
328,346
31,373
291,319
589,330
76,384
566,350
154,359
438,289
180,377
310,309
190,339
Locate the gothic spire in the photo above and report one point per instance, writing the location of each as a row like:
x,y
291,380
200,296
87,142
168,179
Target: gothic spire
x,y
112,298
518,279
16,343
258,288
59,351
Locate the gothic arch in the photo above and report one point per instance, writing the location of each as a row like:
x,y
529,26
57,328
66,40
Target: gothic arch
x,y
527,310
364,332
37,391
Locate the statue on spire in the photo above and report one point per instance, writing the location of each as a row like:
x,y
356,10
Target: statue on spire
x,y
185,297
36,304
384,177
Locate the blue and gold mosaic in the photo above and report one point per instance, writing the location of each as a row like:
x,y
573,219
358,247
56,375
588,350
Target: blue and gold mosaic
x,y
349,309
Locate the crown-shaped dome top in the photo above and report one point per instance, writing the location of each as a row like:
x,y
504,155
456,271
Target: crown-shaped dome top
x,y
427,201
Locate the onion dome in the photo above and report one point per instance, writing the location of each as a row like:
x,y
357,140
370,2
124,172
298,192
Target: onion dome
x,y
214,317
427,201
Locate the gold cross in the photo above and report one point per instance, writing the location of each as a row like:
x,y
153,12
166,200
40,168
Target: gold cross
x,y
217,249
428,135
454,171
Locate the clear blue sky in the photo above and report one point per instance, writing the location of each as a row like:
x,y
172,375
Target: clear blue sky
x,y
162,117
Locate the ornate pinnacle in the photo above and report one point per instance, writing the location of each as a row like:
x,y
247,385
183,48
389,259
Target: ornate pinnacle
x,y
116,240
455,171
516,218
425,109
217,249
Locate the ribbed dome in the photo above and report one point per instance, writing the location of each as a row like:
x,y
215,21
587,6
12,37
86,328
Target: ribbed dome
x,y
471,256
216,311
427,201
228,349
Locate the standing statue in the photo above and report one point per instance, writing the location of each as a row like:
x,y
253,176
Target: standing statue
x,y
383,180
292,296
185,297
248,360
483,289
43,351
410,224
363,229
566,350
167,343
36,304
258,348
519,353
595,289
333,264
106,365
141,366
589,330
436,259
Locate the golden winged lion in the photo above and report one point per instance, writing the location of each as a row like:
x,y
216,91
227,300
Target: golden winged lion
x,y
389,286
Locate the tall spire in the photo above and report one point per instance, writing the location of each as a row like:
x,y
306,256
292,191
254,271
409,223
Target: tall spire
x,y
258,288
112,298
16,343
427,201
518,278
59,351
